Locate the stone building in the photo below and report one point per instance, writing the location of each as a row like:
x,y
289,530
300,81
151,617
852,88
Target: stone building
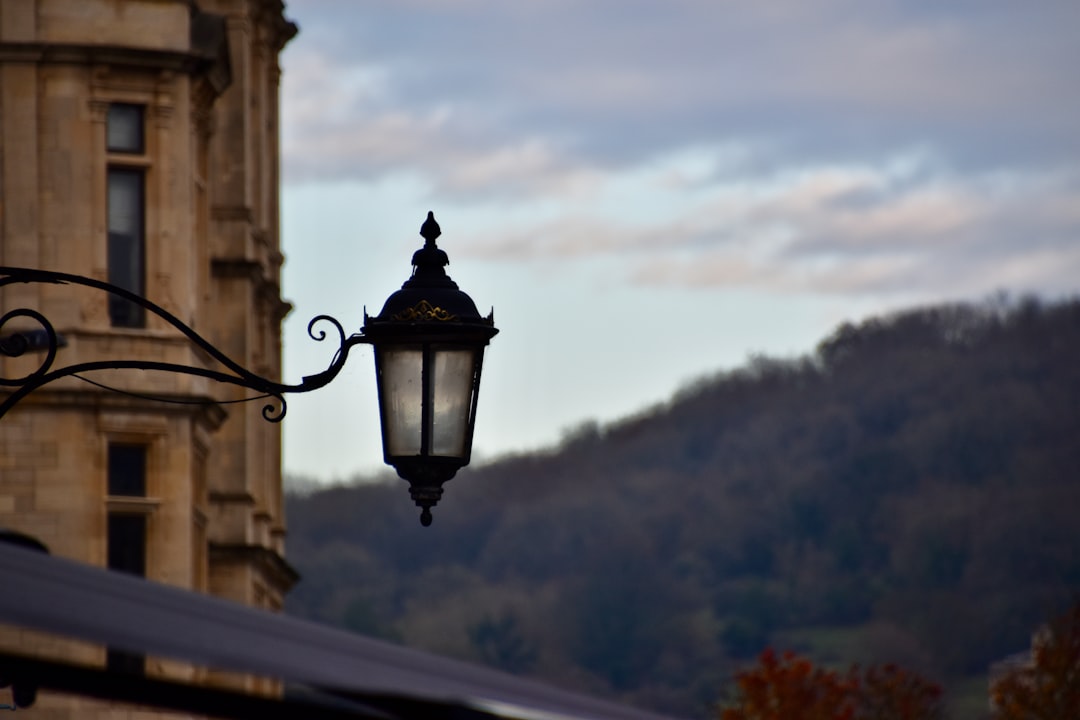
x,y
139,146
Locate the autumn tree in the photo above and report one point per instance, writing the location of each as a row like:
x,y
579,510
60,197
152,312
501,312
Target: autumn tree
x,y
789,687
1049,687
889,692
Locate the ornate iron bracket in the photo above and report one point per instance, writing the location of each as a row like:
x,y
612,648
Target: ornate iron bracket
x,y
18,343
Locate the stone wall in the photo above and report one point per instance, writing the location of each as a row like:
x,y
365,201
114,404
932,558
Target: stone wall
x,y
206,78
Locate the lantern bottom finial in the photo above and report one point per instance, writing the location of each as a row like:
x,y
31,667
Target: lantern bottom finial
x,y
425,499
426,476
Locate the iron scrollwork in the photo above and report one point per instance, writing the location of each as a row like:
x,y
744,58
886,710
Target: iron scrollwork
x,y
46,339
424,311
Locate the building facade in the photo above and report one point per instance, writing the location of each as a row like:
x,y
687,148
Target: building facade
x,y
139,146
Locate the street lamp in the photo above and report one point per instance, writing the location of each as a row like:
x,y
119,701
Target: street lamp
x,y
429,345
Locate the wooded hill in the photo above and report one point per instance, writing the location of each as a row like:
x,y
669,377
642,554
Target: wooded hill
x,y
908,493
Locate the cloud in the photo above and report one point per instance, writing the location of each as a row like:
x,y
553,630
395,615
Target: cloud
x,y
832,146
605,84
894,227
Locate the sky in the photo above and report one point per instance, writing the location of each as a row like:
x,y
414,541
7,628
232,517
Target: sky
x,y
652,191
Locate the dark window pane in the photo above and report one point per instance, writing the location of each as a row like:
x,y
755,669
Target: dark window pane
x,y
127,544
127,470
124,128
126,244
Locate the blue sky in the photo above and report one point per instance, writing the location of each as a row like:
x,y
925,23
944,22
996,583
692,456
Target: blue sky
x,y
648,191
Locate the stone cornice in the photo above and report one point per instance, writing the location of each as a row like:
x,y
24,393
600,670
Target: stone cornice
x,y
80,54
205,410
220,497
232,213
237,268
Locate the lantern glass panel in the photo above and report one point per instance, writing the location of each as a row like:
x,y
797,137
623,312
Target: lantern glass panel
x,y
451,401
401,371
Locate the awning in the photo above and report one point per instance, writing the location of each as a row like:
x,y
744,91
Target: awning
x,y
342,672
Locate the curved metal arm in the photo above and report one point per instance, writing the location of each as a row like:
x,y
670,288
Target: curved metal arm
x,y
18,343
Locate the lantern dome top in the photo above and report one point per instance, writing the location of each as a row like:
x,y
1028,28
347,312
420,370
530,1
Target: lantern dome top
x,y
429,296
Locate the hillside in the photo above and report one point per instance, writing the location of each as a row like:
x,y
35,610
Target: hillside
x,y
908,493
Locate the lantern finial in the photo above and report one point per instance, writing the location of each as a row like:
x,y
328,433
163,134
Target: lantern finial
x,y
429,260
430,229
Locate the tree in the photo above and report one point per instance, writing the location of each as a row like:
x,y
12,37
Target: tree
x,y
930,461
889,692
790,687
1049,687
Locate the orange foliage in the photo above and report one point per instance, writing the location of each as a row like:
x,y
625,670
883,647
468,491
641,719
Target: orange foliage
x,y
1049,688
790,687
889,692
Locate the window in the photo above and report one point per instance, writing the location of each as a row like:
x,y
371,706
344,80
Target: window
x,y
126,213
127,470
127,543
124,129
126,540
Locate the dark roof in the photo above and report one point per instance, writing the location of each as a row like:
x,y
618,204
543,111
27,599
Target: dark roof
x,y
88,603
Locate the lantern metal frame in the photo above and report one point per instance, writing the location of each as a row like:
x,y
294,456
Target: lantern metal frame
x,y
425,475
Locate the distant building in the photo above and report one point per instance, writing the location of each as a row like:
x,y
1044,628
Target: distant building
x,y
139,145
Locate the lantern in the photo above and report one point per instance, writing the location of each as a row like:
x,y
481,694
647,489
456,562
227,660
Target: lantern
x,y
429,345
